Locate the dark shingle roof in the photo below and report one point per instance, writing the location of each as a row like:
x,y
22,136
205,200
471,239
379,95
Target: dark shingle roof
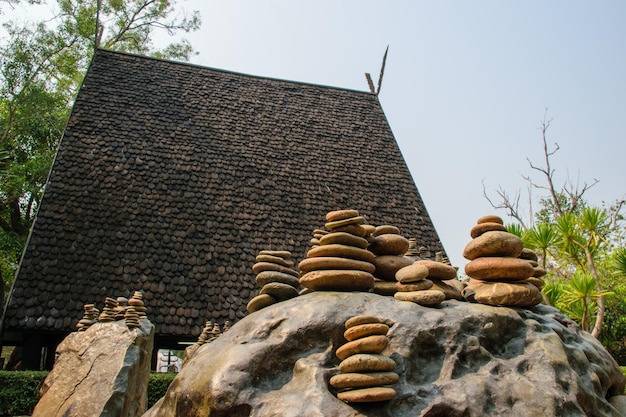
x,y
171,178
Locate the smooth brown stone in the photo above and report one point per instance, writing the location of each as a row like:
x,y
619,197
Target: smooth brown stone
x,y
412,273
386,229
333,216
450,291
320,232
499,269
361,319
389,244
346,222
534,264
364,330
539,272
385,287
332,262
279,291
481,228
341,251
518,294
388,265
281,253
353,229
367,362
438,270
344,238
422,285
494,243
490,218
369,229
367,395
369,344
537,282
424,298
314,242
338,280
363,380
259,302
275,260
268,266
529,254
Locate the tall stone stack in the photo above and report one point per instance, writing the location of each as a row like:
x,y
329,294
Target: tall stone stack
x,y
276,277
90,316
498,275
389,246
366,374
413,285
136,302
120,309
108,312
341,262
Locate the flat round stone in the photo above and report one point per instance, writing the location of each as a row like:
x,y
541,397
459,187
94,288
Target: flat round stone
x,y
353,229
450,291
266,277
388,244
481,228
341,251
361,319
495,243
424,298
333,216
259,302
537,282
490,218
422,285
279,291
314,242
499,269
367,362
517,294
367,395
386,229
345,222
369,228
275,260
529,254
438,270
384,287
285,254
364,330
344,238
369,344
412,273
388,265
337,280
364,380
539,272
268,266
332,262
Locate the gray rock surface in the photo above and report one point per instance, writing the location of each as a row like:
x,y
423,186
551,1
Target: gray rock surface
x,y
103,371
459,359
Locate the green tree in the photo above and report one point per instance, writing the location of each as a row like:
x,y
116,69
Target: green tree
x,y
41,68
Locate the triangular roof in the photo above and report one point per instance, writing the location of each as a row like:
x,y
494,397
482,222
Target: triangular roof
x,y
171,177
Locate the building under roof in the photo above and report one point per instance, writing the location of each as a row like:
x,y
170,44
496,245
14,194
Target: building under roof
x,y
171,177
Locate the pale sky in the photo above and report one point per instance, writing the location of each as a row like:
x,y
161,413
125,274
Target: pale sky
x,y
465,89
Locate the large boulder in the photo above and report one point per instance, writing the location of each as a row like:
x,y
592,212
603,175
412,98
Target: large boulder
x,y
103,371
460,359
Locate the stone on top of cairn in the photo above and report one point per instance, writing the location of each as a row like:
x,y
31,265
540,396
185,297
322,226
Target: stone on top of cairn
x,y
90,316
365,374
108,312
499,276
341,262
276,277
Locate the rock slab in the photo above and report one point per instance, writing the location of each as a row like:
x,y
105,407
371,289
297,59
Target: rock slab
x,y
103,371
459,359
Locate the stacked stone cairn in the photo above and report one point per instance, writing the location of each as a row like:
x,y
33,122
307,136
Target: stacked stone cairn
x,y
341,262
443,277
390,247
414,286
131,318
498,276
276,277
206,333
120,310
136,302
90,316
108,312
365,373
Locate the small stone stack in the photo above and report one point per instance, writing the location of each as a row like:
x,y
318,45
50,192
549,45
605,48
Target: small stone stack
x,y
498,275
414,286
136,302
365,373
205,335
131,317
342,261
317,235
90,316
443,277
389,246
120,310
276,277
108,312
530,256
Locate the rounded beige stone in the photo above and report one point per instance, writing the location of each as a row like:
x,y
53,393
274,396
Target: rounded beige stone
x,y
268,266
364,380
279,291
333,216
438,270
529,254
422,285
499,269
495,243
344,238
364,330
384,287
338,280
490,218
285,254
367,395
425,297
388,244
388,265
361,319
275,260
367,362
333,262
259,302
412,273
369,344
345,222
314,242
518,294
266,277
481,228
341,251
386,229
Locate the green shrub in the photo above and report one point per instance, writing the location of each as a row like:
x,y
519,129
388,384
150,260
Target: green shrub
x,y
19,390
